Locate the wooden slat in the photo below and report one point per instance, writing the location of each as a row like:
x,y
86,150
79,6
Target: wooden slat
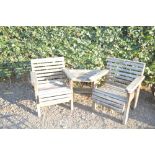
x,y
128,62
54,102
83,90
112,91
52,98
118,82
125,70
108,105
121,77
50,75
111,103
42,68
124,67
109,98
47,71
52,64
55,91
112,95
115,72
49,94
48,82
113,65
53,59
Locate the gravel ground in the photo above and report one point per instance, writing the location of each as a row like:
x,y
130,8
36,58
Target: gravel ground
x,y
18,110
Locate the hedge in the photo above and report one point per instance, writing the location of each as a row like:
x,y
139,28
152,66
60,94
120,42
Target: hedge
x,y
82,47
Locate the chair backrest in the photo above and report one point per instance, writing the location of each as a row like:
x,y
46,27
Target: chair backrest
x,y
48,69
123,71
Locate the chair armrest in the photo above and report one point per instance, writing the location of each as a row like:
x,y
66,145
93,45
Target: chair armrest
x,y
68,74
33,78
99,75
134,84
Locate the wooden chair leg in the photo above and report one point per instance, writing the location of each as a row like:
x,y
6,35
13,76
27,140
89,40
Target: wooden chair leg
x,y
94,106
72,105
136,97
38,110
94,85
126,112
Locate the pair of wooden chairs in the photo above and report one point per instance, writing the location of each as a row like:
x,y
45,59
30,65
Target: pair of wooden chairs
x,y
122,84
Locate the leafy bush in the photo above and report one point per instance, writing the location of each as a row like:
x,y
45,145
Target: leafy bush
x,y
82,47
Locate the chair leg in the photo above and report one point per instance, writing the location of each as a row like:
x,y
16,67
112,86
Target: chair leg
x,y
72,106
38,110
94,105
126,112
136,97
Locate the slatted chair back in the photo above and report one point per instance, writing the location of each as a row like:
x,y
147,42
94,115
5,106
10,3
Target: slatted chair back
x,y
48,69
122,72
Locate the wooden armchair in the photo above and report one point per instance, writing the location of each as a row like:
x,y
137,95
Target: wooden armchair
x,y
49,81
122,86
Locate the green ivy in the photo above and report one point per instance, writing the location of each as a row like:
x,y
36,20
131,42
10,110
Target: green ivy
x,y
82,47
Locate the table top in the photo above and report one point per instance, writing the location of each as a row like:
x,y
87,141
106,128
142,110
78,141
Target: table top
x,y
83,75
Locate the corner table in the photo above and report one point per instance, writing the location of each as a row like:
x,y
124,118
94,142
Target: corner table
x,y
83,75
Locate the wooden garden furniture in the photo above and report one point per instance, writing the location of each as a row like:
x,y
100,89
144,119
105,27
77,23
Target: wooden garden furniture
x,y
122,86
85,76
50,82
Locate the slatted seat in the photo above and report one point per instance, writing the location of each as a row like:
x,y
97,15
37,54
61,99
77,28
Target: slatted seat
x,y
49,81
122,85
111,95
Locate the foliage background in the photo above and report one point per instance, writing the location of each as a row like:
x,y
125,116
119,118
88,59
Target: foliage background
x,y
82,47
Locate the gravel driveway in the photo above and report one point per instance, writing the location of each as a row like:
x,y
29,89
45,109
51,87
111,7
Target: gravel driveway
x,y
18,110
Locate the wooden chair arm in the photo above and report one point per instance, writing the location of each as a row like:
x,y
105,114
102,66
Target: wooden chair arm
x,y
99,75
33,78
68,74
134,84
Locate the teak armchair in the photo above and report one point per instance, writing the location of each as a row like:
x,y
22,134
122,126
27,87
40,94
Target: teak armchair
x,y
122,86
49,81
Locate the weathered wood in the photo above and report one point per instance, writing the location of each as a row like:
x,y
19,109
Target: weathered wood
x,y
50,82
54,91
109,98
49,103
54,98
124,61
126,75
134,84
83,90
108,102
48,90
68,74
53,59
112,66
126,70
85,75
126,112
72,105
38,110
94,105
108,105
136,96
99,75
122,85
113,92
